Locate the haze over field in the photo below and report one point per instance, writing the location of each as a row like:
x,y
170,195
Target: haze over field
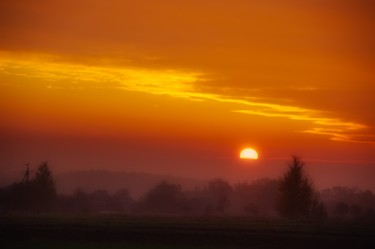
x,y
181,87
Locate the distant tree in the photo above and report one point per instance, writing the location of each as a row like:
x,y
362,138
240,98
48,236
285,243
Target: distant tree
x,y
296,193
370,215
220,192
100,200
252,209
36,194
262,193
344,202
44,188
341,209
355,211
265,194
318,210
164,198
367,199
122,201
79,202
18,197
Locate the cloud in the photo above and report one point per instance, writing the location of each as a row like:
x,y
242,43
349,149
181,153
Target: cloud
x,y
173,83
70,75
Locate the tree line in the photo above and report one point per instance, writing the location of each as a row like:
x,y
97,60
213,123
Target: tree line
x,y
292,197
34,195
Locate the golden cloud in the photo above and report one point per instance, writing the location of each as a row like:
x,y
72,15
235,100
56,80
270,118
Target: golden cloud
x,y
170,82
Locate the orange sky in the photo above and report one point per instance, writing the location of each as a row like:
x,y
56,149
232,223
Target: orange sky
x,y
179,87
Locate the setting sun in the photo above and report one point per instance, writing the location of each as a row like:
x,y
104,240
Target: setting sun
x,y
249,153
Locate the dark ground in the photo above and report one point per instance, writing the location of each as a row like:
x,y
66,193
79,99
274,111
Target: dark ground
x,y
114,232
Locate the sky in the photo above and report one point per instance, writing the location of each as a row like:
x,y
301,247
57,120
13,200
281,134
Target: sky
x,y
180,87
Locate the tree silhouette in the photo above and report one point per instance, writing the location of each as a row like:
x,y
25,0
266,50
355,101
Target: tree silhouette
x,y
44,187
36,194
318,210
295,192
220,192
341,209
164,198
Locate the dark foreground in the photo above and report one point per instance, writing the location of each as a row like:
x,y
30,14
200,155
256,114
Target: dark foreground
x,y
156,232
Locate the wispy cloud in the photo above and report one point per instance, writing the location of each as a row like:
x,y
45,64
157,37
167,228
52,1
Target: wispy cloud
x,y
174,83
304,88
128,78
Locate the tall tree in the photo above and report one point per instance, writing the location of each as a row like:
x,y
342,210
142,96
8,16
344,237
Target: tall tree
x,y
44,186
296,194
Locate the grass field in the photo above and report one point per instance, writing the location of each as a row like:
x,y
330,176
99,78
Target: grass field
x,y
114,232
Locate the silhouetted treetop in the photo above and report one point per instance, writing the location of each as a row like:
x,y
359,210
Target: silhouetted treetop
x,y
44,180
296,195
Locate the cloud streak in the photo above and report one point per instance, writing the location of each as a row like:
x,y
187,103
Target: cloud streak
x,y
174,83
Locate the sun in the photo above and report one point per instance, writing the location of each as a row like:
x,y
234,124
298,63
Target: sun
x,y
249,153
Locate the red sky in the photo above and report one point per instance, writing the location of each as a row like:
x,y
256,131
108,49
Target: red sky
x,y
180,87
